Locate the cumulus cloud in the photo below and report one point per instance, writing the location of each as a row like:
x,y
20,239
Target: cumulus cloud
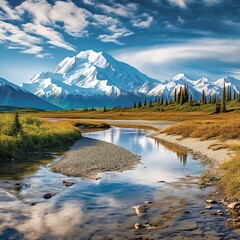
x,y
144,21
7,12
15,37
88,2
54,37
48,21
72,17
68,14
180,3
39,10
126,10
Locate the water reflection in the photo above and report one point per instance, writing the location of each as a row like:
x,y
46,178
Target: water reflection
x,y
181,153
102,209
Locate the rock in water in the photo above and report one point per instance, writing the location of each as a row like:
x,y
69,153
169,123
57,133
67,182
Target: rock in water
x,y
139,210
68,183
208,207
48,195
137,226
234,206
211,201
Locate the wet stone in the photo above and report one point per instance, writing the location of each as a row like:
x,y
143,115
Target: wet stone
x,y
47,196
208,207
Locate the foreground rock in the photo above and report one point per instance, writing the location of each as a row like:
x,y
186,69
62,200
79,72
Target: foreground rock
x,y
89,157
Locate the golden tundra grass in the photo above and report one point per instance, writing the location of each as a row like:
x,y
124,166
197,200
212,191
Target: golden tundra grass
x,y
205,129
230,181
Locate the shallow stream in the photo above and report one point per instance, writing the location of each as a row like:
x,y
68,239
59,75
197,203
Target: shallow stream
x,y
166,180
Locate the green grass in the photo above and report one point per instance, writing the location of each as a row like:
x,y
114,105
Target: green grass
x,y
36,135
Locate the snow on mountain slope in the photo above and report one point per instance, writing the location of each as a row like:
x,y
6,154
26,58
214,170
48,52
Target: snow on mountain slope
x,y
90,79
13,95
196,87
95,79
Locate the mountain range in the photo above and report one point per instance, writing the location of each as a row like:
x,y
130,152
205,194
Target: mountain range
x,y
15,96
96,79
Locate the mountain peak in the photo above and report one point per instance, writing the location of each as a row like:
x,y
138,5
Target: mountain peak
x,y
179,76
89,54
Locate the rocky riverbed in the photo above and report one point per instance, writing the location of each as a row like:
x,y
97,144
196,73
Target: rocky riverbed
x,y
90,156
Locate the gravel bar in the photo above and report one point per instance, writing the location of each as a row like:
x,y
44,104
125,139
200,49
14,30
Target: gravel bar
x,y
88,157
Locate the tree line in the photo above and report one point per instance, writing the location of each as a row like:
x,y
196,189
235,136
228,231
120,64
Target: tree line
x,y
183,96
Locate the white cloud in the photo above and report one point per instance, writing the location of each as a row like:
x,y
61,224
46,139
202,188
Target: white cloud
x,y
126,10
115,33
7,12
180,3
192,51
72,17
33,50
17,38
54,37
139,22
38,9
88,2
184,3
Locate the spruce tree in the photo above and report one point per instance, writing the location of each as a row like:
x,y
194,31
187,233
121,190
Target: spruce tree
x,y
228,96
179,95
134,105
223,102
175,95
145,102
182,97
210,99
234,95
16,126
139,104
203,100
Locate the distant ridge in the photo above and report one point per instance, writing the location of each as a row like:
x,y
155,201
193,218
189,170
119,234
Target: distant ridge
x,y
16,97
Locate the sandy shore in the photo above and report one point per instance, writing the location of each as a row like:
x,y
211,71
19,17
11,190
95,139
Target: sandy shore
x,y
89,156
209,151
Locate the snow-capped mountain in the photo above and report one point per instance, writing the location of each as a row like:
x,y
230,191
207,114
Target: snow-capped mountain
x,y
13,95
95,79
196,87
91,79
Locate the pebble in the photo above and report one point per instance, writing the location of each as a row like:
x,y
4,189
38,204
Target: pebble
x,y
139,210
137,226
148,202
47,195
208,207
234,205
210,201
68,183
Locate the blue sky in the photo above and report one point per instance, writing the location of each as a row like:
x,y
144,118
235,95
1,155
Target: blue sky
x,y
159,37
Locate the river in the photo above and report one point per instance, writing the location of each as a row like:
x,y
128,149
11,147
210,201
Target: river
x,y
166,179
